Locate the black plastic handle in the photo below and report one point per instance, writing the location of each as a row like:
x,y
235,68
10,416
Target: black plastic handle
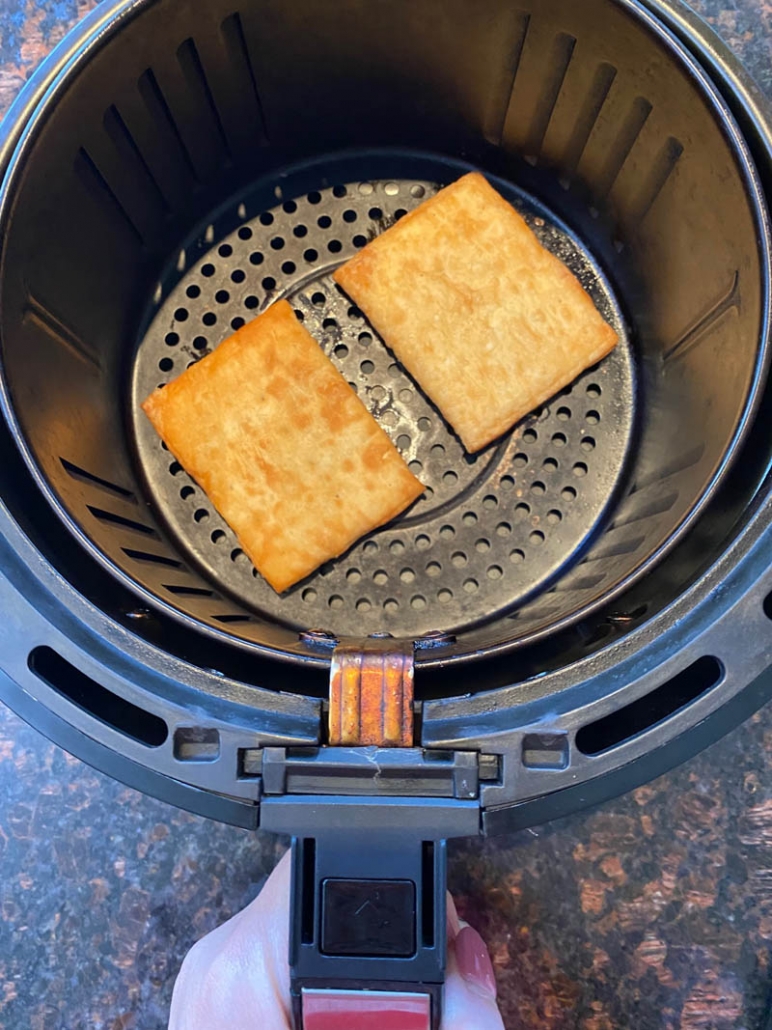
x,y
368,900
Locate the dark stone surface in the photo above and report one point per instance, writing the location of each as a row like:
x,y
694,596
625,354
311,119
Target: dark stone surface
x,y
652,912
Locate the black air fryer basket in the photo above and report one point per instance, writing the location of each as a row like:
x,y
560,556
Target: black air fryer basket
x,y
587,598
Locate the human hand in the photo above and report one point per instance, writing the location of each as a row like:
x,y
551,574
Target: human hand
x,y
237,977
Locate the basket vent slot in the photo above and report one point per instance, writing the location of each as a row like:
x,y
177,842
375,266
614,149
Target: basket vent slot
x,y
652,709
101,703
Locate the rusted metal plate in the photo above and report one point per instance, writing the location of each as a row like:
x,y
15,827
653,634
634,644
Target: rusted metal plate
x,y
371,694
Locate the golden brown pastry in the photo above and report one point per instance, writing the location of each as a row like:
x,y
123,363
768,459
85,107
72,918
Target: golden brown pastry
x,y
488,322
283,447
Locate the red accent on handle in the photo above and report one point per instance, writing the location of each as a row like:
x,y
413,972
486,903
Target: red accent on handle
x,y
365,1010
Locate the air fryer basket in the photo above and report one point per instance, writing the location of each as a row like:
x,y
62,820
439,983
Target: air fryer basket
x,y
206,160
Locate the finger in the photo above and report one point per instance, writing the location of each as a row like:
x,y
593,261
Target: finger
x,y
470,986
237,977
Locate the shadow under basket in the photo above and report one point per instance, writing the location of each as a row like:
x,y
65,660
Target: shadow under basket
x,y
205,161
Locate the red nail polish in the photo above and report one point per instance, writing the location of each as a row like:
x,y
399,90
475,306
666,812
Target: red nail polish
x,y
474,962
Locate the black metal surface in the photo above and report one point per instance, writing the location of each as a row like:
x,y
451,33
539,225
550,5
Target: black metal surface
x,y
219,699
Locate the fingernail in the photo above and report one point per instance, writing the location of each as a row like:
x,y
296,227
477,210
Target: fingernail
x,y
474,962
454,923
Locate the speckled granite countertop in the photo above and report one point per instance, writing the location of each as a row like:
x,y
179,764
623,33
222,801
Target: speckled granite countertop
x,y
654,911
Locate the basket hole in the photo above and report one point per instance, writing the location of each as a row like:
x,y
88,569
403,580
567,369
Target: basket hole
x,y
339,191
238,275
459,559
592,418
568,493
438,451
245,233
516,556
330,323
522,510
256,258
495,572
447,532
559,439
424,424
530,436
324,221
310,255
538,488
217,536
520,461
503,529
370,546
471,586
403,441
391,189
359,240
363,605
593,390
407,575
186,492
444,596
415,467
380,576
209,318
207,270
397,547
417,191
422,542
434,569
588,444
335,602
366,188
318,299
349,216
193,291
507,482
418,602
335,246
482,545
269,283
90,696
354,576
251,302
238,323
554,516
536,538
277,243
171,339
309,595
564,414
225,250
376,214
549,465
288,267
391,604
200,514
237,554
166,364
266,218
490,501
181,315
367,368
469,518
300,231
651,709
314,197
545,751
450,478
341,351
580,469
